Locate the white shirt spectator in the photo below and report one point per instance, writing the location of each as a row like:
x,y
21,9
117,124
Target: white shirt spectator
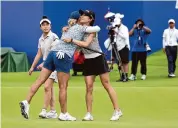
x,y
170,37
122,37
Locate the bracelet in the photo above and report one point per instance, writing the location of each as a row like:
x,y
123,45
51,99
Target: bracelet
x,y
71,40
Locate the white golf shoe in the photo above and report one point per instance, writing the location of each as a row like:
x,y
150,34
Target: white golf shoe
x,y
43,113
88,117
66,117
143,77
116,115
51,114
24,109
171,75
132,77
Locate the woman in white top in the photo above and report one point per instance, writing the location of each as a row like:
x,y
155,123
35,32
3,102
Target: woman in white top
x,y
45,43
94,64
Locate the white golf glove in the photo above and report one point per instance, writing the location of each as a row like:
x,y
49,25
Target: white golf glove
x,y
60,55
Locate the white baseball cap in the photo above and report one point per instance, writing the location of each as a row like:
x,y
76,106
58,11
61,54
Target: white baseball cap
x,y
45,20
171,21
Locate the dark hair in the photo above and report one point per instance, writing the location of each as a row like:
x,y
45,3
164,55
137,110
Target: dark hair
x,y
44,17
140,21
92,22
88,13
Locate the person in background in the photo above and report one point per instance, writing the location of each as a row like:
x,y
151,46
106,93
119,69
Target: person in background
x,y
122,45
139,50
170,39
78,63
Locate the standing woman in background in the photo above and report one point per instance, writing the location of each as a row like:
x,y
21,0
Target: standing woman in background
x,y
94,64
45,42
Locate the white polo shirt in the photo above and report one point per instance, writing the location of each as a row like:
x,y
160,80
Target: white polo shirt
x,y
46,43
122,37
170,37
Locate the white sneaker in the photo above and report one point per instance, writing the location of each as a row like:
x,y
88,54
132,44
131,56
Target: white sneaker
x,y
132,77
62,117
66,117
43,113
116,115
172,75
70,118
25,109
51,114
88,117
143,77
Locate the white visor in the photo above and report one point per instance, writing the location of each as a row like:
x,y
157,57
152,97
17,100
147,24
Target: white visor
x,y
45,20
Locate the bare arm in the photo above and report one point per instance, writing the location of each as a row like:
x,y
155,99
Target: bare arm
x,y
132,30
35,61
148,30
85,43
81,43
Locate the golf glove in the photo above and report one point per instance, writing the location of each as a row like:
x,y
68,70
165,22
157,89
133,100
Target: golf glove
x,y
60,55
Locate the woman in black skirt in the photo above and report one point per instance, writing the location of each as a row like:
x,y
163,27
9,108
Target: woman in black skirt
x,y
95,64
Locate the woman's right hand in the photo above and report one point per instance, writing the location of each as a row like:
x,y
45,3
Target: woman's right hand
x,y
65,29
30,71
135,26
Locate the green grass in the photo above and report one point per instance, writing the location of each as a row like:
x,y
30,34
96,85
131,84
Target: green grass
x,y
145,104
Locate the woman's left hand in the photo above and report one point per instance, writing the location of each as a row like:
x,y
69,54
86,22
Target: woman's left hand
x,y
67,40
39,67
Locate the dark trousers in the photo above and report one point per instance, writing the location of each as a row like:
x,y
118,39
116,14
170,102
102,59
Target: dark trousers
x,y
171,52
136,57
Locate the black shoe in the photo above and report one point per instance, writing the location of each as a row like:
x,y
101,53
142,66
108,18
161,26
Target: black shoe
x,y
119,80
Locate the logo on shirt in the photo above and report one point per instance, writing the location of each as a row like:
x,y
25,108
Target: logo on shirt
x,y
176,4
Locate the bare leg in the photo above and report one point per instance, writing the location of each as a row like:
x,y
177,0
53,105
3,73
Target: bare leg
x,y
126,67
52,102
111,92
48,93
63,79
89,80
44,74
